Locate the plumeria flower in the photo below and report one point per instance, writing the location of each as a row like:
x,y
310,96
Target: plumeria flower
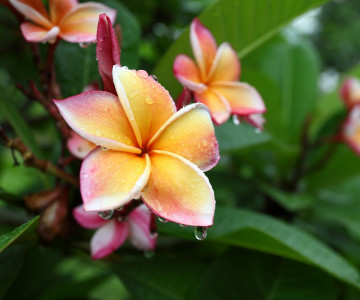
x,y
350,133
68,20
112,233
148,149
214,77
78,146
350,92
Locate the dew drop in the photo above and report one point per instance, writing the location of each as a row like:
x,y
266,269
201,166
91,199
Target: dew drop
x,y
162,220
154,77
142,74
200,233
149,100
84,45
104,148
204,143
236,120
183,225
149,254
106,214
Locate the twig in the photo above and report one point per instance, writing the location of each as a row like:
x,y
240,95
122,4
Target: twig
x,y
31,160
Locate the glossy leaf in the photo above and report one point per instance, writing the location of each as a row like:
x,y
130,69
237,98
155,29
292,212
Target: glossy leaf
x,y
234,274
7,239
259,232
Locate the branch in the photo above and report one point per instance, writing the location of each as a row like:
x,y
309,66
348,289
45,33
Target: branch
x,y
30,160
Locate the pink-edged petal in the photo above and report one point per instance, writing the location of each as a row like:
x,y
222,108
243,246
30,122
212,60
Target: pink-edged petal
x,y
146,103
178,191
256,120
350,92
80,24
107,51
98,117
88,219
190,134
203,45
59,8
33,10
186,71
243,98
78,146
218,106
226,66
108,238
139,223
351,129
110,179
37,34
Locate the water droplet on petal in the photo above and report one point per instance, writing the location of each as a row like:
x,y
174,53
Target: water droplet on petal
x,y
236,120
120,208
204,143
182,225
162,220
106,214
200,233
104,148
149,254
149,100
142,74
154,77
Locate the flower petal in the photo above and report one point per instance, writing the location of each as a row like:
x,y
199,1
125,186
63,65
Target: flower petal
x,y
350,92
98,117
37,34
218,106
107,52
146,103
226,66
78,146
190,134
243,98
79,25
110,179
108,238
178,191
351,129
204,47
33,10
139,223
59,8
186,71
88,219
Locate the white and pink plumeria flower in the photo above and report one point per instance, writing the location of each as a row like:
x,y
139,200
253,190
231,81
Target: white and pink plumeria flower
x,y
68,20
111,233
350,92
213,78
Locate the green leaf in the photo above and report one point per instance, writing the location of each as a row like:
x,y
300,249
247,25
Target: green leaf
x,y
10,113
233,137
259,232
292,202
10,265
235,274
7,239
76,67
245,24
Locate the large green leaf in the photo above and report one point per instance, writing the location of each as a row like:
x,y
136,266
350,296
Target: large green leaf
x,y
233,137
7,239
255,231
245,24
235,274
